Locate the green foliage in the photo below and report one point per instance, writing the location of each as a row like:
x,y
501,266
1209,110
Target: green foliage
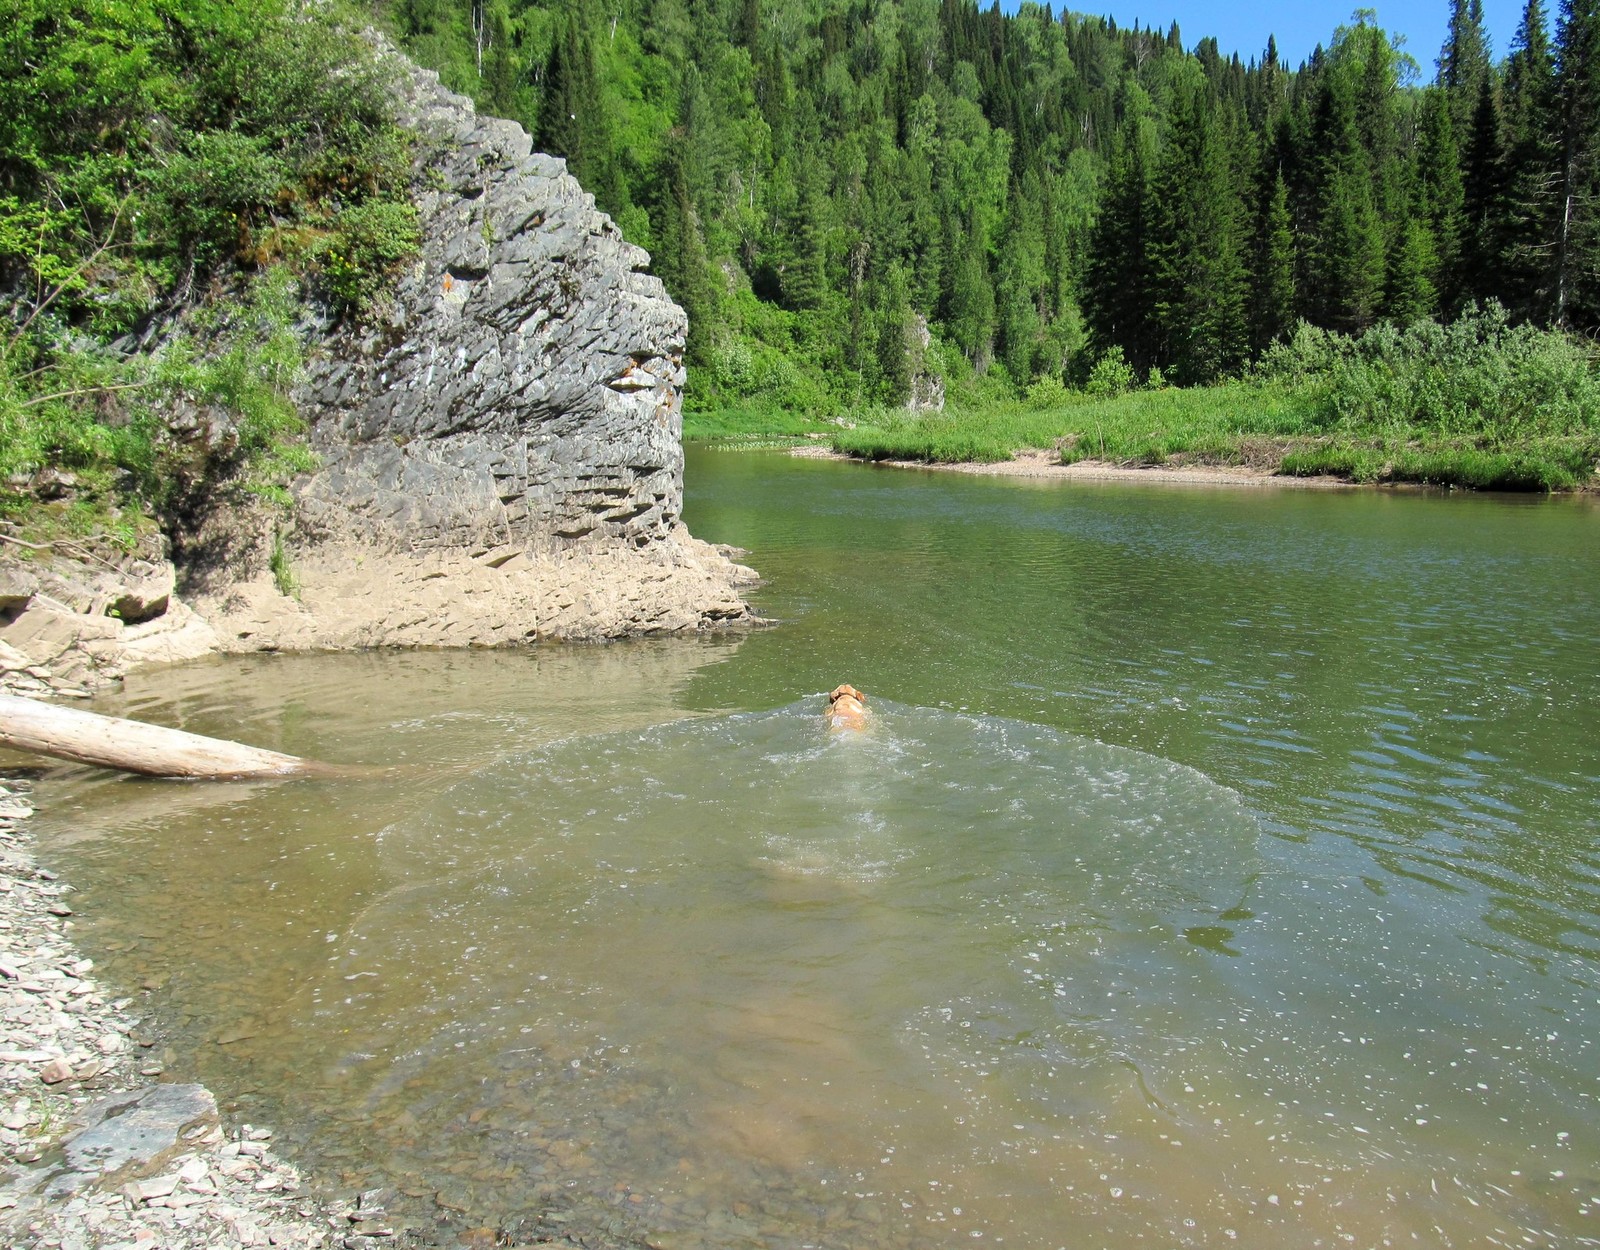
x,y
1538,468
1228,423
1480,378
1021,187
281,567
187,161
1111,375
367,242
107,419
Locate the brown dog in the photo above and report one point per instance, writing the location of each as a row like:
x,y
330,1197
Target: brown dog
x,y
847,709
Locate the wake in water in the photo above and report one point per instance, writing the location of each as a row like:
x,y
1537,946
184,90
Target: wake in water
x,y
1109,828
794,956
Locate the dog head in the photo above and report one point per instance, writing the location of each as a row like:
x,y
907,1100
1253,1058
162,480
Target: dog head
x,y
846,691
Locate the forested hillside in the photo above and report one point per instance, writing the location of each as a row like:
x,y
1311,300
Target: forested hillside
x,y
820,181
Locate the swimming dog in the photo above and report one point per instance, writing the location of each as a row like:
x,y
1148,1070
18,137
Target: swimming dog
x,y
847,709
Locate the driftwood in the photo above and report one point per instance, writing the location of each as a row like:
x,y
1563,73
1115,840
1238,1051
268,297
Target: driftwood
x,y
132,746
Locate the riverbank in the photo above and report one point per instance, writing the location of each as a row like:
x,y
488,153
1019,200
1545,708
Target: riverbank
x,y
98,1151
1513,410
75,623
1032,463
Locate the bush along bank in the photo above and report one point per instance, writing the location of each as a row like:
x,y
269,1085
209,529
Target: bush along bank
x,y
181,185
1479,403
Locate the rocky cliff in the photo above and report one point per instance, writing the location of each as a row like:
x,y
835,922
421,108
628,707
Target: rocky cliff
x,y
500,454
526,387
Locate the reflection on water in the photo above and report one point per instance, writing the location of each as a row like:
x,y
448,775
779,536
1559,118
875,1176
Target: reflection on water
x,y
727,981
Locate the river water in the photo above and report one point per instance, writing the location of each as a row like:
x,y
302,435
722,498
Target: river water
x,y
1221,867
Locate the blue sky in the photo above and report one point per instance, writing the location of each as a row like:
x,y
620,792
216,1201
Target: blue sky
x,y
1242,26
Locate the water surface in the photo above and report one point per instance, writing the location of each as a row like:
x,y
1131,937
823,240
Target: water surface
x,y
1221,868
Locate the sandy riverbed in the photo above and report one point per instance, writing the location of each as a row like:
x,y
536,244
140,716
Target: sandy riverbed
x,y
1042,464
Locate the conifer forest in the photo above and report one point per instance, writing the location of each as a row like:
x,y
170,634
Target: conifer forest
x,y
848,195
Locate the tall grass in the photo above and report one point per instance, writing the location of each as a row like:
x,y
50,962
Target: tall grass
x,y
1220,423
1479,403
765,425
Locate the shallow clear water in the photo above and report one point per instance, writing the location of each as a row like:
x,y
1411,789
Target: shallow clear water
x,y
1222,867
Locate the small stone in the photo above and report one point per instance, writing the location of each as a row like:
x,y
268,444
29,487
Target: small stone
x,y
152,1187
56,1071
192,1171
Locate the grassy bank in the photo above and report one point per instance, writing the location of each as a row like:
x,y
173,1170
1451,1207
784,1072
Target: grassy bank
x,y
1222,424
1480,403
753,427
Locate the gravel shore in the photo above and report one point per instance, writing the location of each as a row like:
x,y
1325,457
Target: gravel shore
x,y
76,1074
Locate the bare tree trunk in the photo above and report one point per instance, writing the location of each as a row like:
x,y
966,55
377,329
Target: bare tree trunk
x,y
132,746
480,29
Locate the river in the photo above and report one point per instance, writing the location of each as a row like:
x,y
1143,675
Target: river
x,y
1222,867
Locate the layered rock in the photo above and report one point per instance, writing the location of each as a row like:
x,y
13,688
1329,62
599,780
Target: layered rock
x,y
516,416
527,384
73,623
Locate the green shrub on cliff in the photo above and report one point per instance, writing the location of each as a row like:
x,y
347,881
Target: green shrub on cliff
x,y
177,431
177,173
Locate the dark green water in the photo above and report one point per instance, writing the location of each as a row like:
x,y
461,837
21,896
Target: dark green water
x,y
1221,868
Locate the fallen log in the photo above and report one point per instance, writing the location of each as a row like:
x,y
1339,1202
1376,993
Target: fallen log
x,y
152,750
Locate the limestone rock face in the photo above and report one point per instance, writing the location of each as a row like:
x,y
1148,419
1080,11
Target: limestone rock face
x,y
526,388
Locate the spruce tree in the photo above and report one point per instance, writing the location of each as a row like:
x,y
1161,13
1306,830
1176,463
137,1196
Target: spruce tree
x,y
1410,294
680,259
897,335
1272,276
1022,278
805,269
1197,273
971,299
500,66
1483,201
1464,60
1533,168
1438,197
1346,259
1119,263
568,93
1577,235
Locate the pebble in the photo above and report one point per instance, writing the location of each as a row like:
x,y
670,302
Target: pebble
x,y
63,1044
